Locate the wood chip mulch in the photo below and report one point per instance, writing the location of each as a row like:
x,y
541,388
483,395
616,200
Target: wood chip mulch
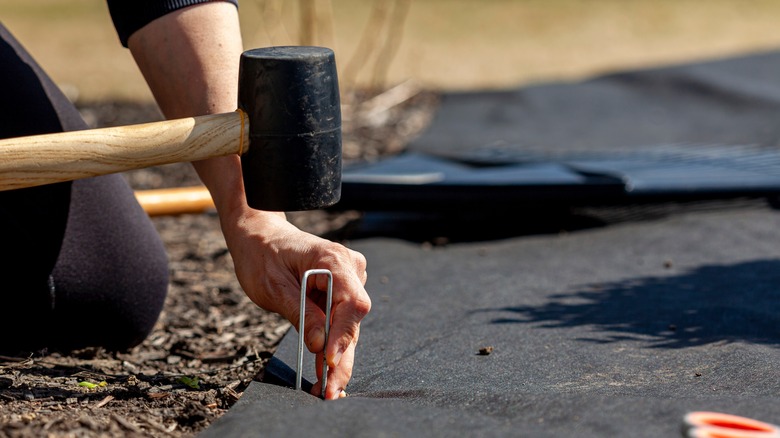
x,y
210,341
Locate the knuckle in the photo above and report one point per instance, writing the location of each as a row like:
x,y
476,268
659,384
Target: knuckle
x,y
360,260
363,306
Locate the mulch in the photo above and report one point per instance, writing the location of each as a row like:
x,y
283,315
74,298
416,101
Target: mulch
x,y
210,340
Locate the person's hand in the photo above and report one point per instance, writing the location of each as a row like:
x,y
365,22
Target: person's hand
x,y
271,256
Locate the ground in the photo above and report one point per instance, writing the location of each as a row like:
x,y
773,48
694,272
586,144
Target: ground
x,y
210,340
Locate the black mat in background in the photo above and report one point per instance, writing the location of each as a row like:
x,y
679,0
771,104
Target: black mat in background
x,y
677,133
596,332
734,101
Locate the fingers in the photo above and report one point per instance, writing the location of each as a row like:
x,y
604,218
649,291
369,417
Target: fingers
x,y
347,311
338,377
346,316
354,265
350,306
314,330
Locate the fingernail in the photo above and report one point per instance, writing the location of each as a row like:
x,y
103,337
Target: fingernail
x,y
316,337
342,394
335,359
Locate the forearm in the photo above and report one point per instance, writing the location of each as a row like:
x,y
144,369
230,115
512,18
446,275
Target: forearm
x,y
190,60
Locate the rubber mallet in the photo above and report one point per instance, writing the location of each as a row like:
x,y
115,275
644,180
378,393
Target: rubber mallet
x,y
287,130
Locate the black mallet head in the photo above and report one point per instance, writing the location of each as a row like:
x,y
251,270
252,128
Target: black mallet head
x,y
291,97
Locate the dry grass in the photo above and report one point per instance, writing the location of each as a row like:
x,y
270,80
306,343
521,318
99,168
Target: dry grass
x,y
443,44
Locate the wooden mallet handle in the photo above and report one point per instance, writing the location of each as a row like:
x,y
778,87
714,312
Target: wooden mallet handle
x,y
50,158
289,110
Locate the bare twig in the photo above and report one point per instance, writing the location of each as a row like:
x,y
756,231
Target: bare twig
x,y
368,41
308,22
394,35
104,402
390,98
325,25
271,11
379,42
17,362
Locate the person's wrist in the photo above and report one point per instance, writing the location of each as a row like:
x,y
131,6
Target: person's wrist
x,y
243,216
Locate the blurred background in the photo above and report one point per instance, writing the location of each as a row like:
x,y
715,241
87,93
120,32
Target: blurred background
x,y
437,44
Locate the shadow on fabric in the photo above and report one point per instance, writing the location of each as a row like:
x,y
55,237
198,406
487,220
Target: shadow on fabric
x,y
468,226
717,303
441,228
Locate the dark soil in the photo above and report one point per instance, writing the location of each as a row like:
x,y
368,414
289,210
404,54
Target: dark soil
x,y
210,340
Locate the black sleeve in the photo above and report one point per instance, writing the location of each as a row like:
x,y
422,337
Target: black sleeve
x,y
130,15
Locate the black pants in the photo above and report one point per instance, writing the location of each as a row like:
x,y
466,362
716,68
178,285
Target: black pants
x,y
80,262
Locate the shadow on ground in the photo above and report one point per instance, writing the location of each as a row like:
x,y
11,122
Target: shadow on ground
x,y
507,221
710,304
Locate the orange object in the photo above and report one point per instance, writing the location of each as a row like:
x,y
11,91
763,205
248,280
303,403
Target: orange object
x,y
705,424
175,201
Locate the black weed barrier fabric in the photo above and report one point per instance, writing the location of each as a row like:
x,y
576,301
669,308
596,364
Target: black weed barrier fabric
x,y
589,322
